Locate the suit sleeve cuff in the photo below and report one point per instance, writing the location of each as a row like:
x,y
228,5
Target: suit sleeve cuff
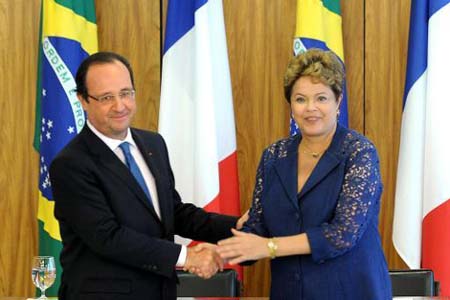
x,y
182,257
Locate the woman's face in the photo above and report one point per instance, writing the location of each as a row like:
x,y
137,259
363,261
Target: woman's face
x,y
314,107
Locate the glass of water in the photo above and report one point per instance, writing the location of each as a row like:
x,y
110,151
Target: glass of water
x,y
43,273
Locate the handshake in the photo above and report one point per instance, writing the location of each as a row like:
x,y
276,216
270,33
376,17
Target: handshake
x,y
206,259
203,260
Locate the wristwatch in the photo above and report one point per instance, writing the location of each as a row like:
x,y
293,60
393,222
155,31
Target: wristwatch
x,y
272,245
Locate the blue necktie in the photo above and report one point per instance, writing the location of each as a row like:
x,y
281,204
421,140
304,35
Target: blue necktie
x,y
134,169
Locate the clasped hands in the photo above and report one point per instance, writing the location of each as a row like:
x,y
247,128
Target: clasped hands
x,y
206,259
203,260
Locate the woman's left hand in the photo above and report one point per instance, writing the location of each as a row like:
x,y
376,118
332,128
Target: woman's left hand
x,y
242,247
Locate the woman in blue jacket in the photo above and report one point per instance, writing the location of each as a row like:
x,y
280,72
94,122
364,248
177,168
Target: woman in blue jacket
x,y
317,198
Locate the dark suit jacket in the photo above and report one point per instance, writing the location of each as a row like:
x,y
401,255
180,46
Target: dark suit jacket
x,y
114,244
337,208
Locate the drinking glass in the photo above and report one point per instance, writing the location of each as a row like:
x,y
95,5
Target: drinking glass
x,y
43,273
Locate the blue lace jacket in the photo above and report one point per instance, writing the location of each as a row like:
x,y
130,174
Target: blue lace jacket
x,y
337,208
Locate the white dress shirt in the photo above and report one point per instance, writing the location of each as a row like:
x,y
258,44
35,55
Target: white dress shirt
x,y
113,144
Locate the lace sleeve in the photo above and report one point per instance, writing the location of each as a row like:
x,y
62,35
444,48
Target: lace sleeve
x,y
254,224
358,204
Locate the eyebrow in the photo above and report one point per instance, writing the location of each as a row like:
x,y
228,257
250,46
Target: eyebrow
x,y
122,90
300,94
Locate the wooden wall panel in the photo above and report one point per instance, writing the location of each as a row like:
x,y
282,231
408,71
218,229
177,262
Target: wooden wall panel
x,y
19,163
259,35
353,35
132,28
385,63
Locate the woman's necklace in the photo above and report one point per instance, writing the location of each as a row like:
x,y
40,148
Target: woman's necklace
x,y
314,154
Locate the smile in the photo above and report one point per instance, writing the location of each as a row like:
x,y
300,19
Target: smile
x,y
117,117
312,118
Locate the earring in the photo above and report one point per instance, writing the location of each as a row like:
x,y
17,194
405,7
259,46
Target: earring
x,y
338,112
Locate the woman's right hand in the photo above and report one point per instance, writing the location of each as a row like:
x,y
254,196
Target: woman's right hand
x,y
242,247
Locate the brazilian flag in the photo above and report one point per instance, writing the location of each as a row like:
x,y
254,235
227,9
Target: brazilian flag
x,y
319,25
68,34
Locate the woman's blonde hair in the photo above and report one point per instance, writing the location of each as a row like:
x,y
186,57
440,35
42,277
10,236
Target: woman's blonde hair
x,y
323,66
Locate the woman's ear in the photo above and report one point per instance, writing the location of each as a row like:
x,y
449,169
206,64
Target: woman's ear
x,y
339,101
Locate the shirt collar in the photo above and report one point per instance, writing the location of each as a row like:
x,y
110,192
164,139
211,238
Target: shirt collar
x,y
112,143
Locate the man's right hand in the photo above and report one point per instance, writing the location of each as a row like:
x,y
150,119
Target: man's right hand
x,y
203,260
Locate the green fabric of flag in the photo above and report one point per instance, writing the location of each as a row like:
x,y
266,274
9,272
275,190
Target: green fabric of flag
x,y
68,34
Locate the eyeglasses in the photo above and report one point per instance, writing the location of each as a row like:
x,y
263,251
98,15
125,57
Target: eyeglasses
x,y
110,98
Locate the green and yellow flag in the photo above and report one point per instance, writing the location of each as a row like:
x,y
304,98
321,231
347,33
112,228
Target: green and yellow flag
x,y
68,34
319,25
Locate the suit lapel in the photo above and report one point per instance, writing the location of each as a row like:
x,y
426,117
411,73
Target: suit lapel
x,y
148,151
109,160
328,162
287,168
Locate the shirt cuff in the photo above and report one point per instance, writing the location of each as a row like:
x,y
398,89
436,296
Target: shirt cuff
x,y
182,257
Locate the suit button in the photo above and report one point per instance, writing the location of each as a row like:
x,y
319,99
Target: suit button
x,y
154,268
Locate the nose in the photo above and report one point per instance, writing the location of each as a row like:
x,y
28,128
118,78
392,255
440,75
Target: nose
x,y
310,104
118,104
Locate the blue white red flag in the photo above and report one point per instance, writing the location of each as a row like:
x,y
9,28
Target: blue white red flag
x,y
196,115
422,200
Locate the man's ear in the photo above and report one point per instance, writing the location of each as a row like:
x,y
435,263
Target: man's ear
x,y
82,101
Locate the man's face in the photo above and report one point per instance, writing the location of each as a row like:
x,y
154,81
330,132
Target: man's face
x,y
112,118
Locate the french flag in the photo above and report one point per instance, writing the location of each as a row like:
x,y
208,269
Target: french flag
x,y
196,115
421,232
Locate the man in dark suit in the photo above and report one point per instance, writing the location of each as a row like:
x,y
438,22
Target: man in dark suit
x,y
116,202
